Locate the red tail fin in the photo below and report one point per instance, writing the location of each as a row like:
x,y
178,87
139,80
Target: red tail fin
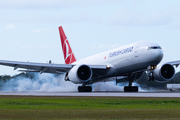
x,y
66,48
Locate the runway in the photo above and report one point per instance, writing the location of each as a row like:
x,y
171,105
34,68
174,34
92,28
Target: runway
x,y
105,94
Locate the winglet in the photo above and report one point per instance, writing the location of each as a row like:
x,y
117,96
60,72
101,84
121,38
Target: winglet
x,y
66,48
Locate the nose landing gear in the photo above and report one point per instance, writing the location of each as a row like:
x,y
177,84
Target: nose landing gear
x,y
151,78
150,73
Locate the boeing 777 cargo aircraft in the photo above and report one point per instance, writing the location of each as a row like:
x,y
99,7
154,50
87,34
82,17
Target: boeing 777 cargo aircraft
x,y
126,63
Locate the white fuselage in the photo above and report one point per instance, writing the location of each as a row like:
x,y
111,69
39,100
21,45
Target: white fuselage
x,y
127,59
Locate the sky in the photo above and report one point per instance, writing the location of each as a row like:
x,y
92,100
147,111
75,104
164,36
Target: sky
x,y
29,28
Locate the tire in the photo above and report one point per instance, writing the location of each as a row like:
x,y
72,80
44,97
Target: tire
x,y
130,89
84,89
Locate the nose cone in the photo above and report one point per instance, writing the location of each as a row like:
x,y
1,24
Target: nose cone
x,y
156,56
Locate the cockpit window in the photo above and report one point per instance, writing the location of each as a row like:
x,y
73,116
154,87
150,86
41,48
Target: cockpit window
x,y
154,47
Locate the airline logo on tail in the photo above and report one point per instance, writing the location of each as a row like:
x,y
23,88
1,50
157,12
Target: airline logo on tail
x,y
66,48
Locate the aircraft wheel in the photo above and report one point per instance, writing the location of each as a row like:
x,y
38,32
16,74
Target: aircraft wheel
x,y
84,89
80,89
130,89
88,89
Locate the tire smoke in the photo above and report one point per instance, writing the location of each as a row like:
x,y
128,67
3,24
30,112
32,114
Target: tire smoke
x,y
44,82
107,86
54,83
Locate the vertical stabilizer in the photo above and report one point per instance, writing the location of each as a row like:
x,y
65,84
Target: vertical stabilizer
x,y
66,48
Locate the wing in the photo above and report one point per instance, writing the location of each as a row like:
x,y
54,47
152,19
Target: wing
x,y
175,63
45,67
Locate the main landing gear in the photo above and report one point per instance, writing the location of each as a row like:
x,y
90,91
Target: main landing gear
x,y
84,88
150,75
130,88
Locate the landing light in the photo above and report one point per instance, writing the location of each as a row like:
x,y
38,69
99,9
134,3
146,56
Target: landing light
x,y
107,67
153,67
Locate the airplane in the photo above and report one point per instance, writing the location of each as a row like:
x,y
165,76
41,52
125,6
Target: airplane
x,y
126,63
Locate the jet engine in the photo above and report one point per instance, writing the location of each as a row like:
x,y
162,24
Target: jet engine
x,y
164,73
80,74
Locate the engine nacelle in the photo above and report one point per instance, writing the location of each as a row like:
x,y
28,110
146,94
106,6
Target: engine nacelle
x,y
164,73
80,74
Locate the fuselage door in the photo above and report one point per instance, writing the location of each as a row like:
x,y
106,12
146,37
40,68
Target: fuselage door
x,y
136,52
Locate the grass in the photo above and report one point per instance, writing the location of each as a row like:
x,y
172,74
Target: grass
x,y
52,108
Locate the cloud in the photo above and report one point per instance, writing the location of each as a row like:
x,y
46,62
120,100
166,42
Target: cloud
x,y
105,46
176,23
40,30
10,26
48,18
50,4
102,46
35,46
136,18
